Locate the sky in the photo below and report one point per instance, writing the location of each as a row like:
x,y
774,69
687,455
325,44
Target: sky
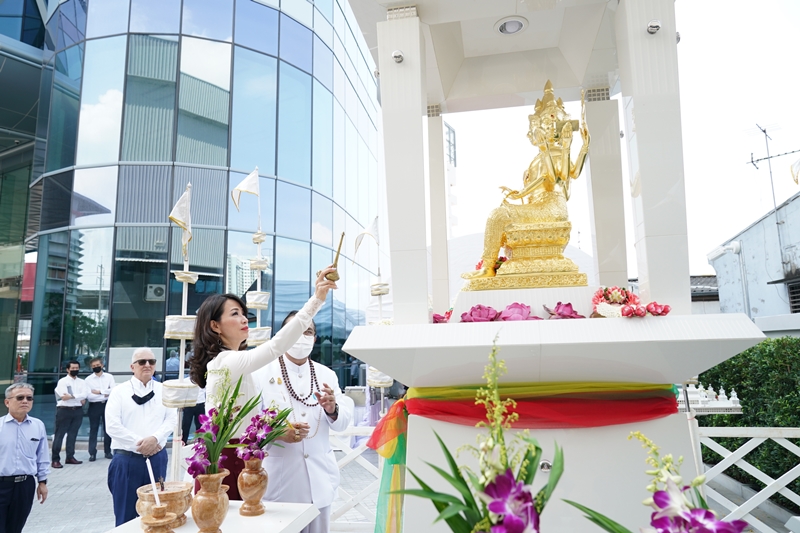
x,y
738,67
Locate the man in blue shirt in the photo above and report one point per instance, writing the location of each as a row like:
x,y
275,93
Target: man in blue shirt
x,y
23,456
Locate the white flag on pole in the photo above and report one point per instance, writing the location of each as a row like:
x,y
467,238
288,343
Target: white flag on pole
x,y
371,231
248,185
796,171
182,216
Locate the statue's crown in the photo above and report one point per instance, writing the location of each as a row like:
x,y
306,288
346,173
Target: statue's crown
x,y
547,100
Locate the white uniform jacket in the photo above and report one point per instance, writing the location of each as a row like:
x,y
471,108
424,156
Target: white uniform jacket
x,y
294,467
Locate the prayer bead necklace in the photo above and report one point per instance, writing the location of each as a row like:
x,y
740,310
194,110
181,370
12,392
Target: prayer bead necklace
x,y
292,393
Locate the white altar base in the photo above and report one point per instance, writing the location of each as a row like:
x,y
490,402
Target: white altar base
x,y
603,470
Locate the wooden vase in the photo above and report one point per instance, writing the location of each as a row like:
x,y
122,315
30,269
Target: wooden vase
x,y
252,484
210,504
177,496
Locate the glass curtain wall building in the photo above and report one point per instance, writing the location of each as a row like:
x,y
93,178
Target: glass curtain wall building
x,y
141,97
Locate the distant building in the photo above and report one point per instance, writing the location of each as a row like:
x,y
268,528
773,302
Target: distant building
x,y
758,271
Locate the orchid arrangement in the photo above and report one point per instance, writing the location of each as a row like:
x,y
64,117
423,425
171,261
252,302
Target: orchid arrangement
x,y
264,429
500,498
217,427
676,508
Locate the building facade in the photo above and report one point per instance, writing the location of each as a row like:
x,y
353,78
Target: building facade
x,y
137,98
759,271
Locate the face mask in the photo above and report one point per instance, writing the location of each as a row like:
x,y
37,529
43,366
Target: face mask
x,y
97,369
302,348
73,373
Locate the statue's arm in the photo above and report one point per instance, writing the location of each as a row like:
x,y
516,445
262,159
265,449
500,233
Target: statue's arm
x,y
534,180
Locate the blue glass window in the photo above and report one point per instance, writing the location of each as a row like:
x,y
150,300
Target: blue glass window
x,y
205,256
144,193
322,221
296,43
211,19
209,188
56,198
294,125
94,197
72,23
256,26
203,102
239,278
150,98
326,8
293,211
338,153
254,112
48,302
246,218
322,151
11,18
64,109
155,16
107,17
101,102
321,258
323,63
351,167
292,276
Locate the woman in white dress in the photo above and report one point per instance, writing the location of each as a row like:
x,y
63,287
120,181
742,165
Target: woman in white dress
x,y
221,356
304,470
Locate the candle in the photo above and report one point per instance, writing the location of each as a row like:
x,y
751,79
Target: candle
x,y
152,480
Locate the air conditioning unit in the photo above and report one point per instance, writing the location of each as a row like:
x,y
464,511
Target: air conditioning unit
x,y
155,292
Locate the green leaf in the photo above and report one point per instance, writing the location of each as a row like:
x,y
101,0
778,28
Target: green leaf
x,y
601,520
456,523
429,494
451,510
472,514
457,479
531,461
700,499
555,474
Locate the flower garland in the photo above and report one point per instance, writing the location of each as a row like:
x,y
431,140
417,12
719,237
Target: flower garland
x,y
615,302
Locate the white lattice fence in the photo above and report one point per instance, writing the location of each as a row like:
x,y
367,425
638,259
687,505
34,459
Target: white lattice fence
x,y
757,437
339,522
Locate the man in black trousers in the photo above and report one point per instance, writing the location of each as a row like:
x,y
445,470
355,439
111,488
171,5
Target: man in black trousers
x,y
72,393
23,459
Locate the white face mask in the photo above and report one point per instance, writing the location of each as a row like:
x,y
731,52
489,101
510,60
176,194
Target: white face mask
x,y
302,348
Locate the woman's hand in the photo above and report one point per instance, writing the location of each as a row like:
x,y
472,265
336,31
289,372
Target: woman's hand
x,y
323,285
295,433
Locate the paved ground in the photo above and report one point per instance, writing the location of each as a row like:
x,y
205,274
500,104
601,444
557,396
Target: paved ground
x,y
79,500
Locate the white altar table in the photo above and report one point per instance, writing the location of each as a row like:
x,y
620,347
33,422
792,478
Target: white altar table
x,y
279,518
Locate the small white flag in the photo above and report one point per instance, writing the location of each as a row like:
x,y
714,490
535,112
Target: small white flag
x,y
796,171
182,216
372,231
248,185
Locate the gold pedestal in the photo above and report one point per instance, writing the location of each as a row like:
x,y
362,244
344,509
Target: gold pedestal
x,y
537,259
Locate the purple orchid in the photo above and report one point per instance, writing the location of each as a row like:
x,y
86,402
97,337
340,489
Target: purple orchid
x,y
704,521
513,501
198,463
673,515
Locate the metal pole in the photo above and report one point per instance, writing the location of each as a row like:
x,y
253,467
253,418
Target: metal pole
x,y
767,138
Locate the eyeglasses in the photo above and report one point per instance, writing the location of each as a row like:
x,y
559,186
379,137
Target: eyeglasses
x,y
142,362
310,332
20,398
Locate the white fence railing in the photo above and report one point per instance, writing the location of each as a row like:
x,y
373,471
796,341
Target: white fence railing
x,y
341,442
757,437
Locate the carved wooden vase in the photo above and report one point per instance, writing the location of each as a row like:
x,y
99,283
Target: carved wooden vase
x,y
252,484
210,504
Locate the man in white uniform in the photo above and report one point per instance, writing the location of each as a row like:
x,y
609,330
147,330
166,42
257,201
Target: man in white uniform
x,y
304,470
139,426
72,393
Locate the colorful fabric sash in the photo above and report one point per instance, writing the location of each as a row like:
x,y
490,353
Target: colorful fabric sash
x,y
539,405
551,405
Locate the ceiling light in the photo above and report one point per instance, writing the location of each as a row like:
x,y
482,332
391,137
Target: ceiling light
x,y
511,25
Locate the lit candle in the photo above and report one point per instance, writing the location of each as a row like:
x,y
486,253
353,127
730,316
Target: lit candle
x,y
152,481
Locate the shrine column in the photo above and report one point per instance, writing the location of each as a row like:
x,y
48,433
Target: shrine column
x,y
401,61
604,178
648,67
440,290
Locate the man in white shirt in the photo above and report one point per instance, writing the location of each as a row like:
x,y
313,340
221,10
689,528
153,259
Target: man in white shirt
x,y
72,393
139,426
99,384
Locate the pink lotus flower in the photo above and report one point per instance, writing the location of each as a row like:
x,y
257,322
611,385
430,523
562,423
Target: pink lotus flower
x,y
562,311
658,310
439,319
479,313
515,311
